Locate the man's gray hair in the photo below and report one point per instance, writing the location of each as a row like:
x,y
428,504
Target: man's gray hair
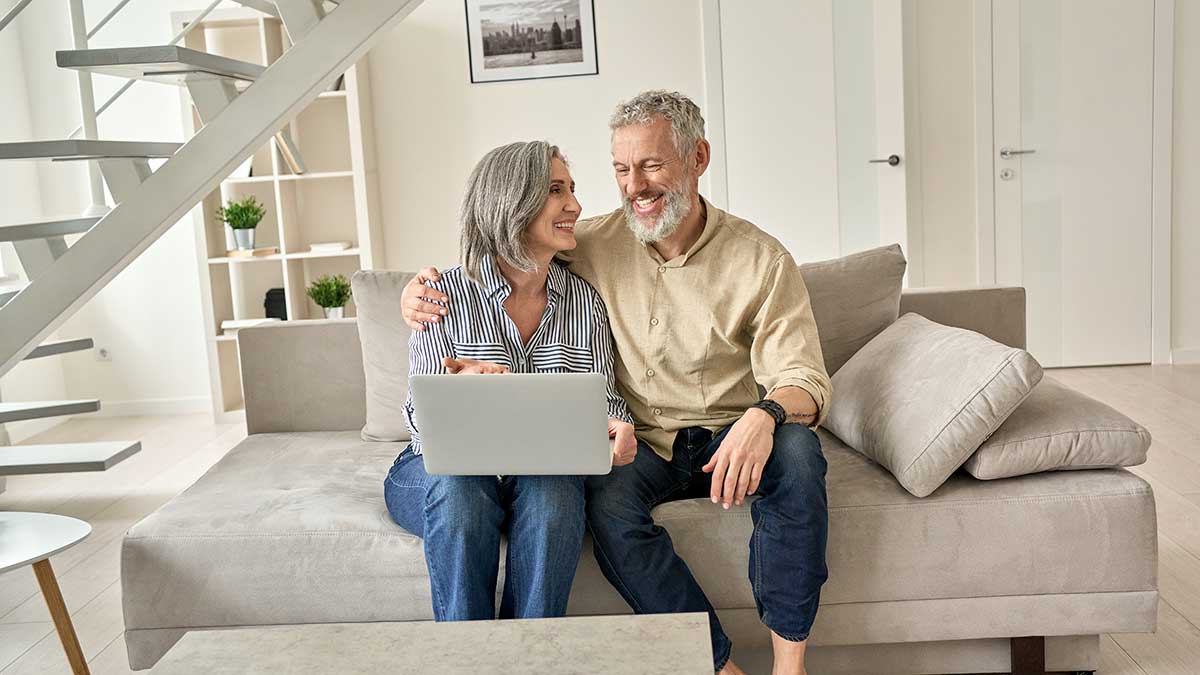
x,y
505,192
687,124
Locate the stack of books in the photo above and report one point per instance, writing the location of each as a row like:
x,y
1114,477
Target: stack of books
x,y
329,247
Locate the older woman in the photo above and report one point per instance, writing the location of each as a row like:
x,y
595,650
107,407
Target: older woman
x,y
516,310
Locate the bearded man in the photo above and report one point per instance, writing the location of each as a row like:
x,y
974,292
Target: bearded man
x,y
705,310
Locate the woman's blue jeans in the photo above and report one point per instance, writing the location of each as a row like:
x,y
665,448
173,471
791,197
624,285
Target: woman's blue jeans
x,y
787,547
461,520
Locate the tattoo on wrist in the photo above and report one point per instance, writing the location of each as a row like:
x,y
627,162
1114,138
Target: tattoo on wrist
x,y
802,417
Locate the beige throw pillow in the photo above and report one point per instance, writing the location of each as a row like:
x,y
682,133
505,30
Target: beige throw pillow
x,y
384,337
921,397
853,299
1058,428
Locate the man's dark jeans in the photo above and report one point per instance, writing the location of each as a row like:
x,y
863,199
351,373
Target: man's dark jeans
x,y
787,547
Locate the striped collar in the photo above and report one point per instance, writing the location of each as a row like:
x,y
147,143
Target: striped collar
x,y
493,282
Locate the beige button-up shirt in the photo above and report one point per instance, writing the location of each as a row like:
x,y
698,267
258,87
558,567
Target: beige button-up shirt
x,y
698,335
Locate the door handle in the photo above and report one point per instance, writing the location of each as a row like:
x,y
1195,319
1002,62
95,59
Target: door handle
x,y
1007,153
891,160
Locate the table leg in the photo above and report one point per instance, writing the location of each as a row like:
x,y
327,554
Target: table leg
x,y
62,619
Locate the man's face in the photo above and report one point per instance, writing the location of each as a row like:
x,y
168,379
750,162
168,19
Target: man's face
x,y
657,188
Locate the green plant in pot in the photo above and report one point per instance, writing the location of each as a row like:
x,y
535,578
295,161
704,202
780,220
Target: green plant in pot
x,y
242,216
331,292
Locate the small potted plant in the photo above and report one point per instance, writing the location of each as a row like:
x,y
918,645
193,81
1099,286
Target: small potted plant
x,y
331,293
242,216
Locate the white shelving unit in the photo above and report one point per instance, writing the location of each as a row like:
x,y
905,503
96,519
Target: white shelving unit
x,y
336,199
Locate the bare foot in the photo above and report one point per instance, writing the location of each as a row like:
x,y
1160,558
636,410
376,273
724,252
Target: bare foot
x,y
731,669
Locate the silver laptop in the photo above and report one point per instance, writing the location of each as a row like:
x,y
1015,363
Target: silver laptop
x,y
513,424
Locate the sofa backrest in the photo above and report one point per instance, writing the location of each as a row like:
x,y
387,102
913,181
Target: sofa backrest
x,y
308,375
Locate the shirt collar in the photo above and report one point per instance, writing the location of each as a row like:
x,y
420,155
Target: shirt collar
x,y
712,224
494,283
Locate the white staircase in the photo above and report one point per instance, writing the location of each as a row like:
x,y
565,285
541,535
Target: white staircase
x,y
241,104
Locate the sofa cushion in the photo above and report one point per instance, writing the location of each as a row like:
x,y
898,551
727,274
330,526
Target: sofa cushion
x,y
384,337
292,528
853,299
921,397
1059,428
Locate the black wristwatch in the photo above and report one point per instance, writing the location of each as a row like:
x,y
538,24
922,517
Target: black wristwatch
x,y
773,409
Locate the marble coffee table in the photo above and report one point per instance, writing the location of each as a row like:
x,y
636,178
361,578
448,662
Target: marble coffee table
x,y
30,539
673,644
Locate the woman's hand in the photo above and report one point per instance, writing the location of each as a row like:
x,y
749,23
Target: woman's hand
x,y
472,367
624,442
417,303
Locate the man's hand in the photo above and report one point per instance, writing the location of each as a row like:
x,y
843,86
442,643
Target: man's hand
x,y
737,465
624,442
472,367
417,302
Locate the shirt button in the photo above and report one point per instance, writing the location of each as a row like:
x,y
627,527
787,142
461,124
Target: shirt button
x,y
662,269
650,372
658,411
653,322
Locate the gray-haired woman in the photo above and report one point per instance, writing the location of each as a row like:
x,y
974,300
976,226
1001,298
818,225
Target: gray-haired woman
x,y
516,310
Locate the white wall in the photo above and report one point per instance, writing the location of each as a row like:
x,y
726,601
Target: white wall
x,y
149,316
1185,233
42,378
432,124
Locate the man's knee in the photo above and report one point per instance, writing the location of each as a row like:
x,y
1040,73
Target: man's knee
x,y
796,457
611,501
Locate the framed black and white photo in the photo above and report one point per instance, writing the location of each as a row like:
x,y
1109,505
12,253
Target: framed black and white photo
x,y
530,39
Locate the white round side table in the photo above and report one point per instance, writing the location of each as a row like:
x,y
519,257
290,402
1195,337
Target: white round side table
x,y
31,538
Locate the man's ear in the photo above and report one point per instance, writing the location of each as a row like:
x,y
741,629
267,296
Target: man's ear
x,y
701,156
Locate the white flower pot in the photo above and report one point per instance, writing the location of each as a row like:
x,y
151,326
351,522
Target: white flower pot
x,y
244,239
334,312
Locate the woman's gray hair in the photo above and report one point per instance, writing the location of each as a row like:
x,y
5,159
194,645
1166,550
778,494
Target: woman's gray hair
x,y
505,192
687,124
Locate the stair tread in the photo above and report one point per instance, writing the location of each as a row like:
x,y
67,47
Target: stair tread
x,y
79,148
64,457
8,292
46,228
161,63
16,411
60,347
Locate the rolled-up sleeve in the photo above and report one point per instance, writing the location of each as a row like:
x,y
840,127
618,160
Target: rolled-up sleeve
x,y
426,349
602,360
785,349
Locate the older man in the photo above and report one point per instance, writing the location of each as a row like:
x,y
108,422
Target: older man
x,y
705,309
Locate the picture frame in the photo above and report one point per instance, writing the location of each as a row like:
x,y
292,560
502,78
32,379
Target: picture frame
x,y
509,40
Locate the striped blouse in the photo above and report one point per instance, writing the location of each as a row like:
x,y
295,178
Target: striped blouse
x,y
573,336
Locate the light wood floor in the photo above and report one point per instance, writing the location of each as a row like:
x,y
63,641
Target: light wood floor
x,y
178,450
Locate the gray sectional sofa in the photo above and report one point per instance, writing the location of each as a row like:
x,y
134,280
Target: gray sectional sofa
x,y
290,527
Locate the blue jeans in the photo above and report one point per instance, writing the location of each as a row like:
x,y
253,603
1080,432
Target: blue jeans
x,y
461,519
787,547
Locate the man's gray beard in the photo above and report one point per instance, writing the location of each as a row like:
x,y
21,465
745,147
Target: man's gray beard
x,y
675,209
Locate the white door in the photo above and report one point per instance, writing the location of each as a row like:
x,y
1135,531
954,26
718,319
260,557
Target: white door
x,y
1072,153
813,91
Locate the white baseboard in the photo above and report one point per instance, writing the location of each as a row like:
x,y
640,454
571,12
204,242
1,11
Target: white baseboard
x,y
1185,356
153,406
19,432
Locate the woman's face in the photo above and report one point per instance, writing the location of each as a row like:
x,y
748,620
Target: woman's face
x,y
553,229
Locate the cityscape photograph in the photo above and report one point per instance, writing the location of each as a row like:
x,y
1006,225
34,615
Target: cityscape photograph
x,y
531,33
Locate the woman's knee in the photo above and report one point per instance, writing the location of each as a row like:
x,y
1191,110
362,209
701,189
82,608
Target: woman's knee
x,y
555,497
470,500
